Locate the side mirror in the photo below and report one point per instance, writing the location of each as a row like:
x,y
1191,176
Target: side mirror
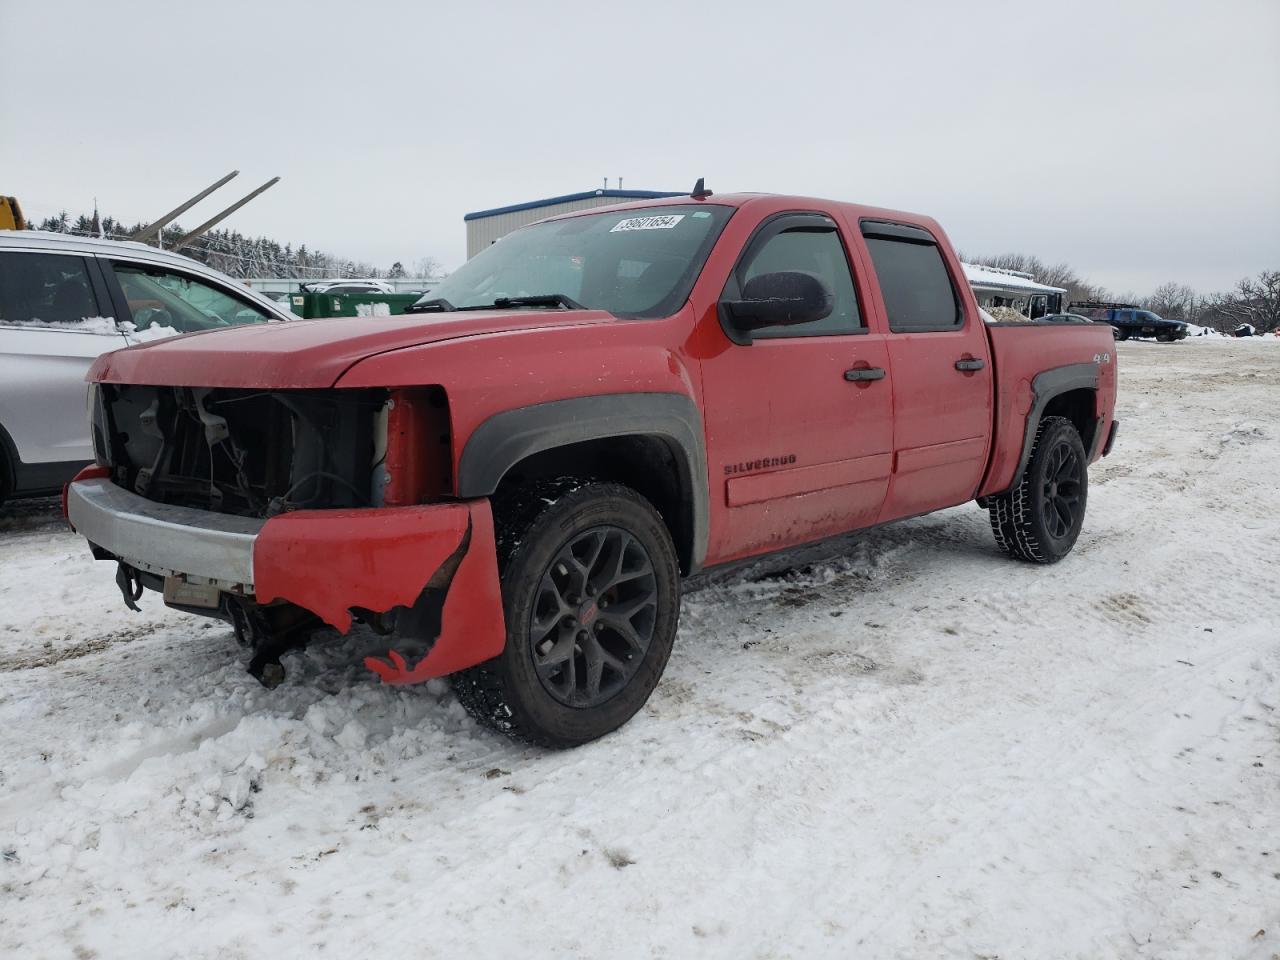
x,y
785,298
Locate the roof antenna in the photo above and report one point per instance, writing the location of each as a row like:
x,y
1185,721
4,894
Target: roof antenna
x,y
699,190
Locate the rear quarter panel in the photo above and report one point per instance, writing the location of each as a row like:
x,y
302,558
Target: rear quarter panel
x,y
1022,351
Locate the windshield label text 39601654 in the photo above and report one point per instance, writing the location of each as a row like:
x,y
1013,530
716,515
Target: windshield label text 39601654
x,y
648,223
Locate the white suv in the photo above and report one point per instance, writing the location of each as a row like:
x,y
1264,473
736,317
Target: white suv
x,y
65,300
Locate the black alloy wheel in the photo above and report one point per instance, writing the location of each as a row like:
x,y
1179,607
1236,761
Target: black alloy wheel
x,y
1040,519
591,600
1061,505
594,616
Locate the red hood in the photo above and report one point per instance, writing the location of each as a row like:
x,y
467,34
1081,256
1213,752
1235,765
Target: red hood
x,y
307,353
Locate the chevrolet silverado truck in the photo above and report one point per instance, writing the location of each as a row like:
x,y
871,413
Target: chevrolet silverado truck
x,y
511,482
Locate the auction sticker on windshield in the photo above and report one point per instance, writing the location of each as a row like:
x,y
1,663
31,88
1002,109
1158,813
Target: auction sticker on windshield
x,y
648,223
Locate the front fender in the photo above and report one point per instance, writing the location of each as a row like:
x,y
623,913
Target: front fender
x,y
506,438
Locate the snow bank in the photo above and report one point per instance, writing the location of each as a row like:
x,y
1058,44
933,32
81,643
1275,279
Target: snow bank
x,y
1006,315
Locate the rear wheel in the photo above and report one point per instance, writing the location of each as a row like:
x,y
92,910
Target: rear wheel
x,y
1040,519
591,595
1121,333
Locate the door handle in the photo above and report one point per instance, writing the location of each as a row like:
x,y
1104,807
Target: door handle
x,y
864,373
969,365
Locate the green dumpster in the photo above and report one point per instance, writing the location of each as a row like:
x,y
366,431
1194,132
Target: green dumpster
x,y
315,305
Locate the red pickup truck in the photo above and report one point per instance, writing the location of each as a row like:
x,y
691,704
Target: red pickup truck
x,y
511,481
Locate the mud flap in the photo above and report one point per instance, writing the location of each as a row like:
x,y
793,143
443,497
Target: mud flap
x,y
430,572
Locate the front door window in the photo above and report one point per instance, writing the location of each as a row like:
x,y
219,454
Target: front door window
x,y
165,302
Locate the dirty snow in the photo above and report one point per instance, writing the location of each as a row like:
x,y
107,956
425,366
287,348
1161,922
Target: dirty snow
x,y
911,748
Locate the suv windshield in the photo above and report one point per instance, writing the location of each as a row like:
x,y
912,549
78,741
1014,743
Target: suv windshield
x,y
633,263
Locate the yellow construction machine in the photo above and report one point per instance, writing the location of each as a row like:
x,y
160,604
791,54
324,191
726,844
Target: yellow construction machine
x,y
11,214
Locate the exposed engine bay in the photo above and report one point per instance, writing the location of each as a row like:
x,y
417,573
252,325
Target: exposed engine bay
x,y
252,453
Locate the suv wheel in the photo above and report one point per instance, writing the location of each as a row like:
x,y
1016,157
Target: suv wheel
x,y
1040,519
591,595
5,470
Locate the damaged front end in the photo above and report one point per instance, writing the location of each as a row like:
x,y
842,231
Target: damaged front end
x,y
369,566
282,511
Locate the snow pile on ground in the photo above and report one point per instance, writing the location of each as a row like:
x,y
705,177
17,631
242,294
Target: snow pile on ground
x,y
912,747
1215,338
1007,315
1194,330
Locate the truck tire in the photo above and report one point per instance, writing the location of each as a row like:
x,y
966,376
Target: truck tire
x,y
1040,519
591,595
1121,333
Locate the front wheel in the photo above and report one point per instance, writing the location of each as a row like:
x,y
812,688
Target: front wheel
x,y
591,595
1040,519
5,490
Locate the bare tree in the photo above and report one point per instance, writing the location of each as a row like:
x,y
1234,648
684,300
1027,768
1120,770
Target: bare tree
x,y
428,268
1171,300
1255,302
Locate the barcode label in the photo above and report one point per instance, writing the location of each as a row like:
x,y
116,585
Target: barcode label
x,y
647,223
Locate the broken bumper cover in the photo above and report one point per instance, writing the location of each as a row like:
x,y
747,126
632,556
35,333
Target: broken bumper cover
x,y
430,571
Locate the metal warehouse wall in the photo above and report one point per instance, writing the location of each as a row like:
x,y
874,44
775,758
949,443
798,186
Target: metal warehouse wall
x,y
484,231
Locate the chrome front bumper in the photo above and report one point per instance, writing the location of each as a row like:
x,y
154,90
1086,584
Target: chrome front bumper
x,y
162,539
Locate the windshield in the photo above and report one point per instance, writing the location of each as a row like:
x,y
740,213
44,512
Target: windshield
x,y
633,263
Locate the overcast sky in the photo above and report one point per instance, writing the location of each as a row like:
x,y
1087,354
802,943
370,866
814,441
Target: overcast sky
x,y
1139,141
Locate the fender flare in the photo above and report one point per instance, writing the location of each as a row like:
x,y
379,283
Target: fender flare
x,y
1044,387
506,438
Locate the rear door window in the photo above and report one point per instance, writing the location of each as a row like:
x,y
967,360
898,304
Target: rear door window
x,y
165,302
49,290
914,282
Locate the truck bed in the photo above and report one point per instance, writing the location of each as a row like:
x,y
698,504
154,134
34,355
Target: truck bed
x,y
1019,352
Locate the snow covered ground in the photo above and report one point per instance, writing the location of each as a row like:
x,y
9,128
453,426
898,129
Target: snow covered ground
x,y
915,748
